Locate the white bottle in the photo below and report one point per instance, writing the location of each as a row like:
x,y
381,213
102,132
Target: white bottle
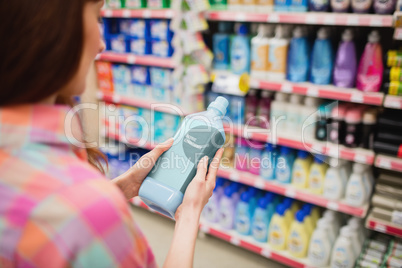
x,y
293,126
321,243
368,179
356,225
278,51
335,180
259,52
333,217
279,109
308,118
342,253
356,189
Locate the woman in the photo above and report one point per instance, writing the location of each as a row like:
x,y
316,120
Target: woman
x,y
57,210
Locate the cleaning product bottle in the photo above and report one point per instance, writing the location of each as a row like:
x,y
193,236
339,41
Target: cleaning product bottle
x,y
335,180
200,135
336,133
293,205
211,209
309,221
308,118
342,253
321,243
345,63
355,189
255,157
322,59
262,218
285,165
301,170
264,108
384,6
221,46
368,128
298,56
324,119
244,213
237,108
278,49
242,154
227,207
298,6
251,108
278,229
317,175
293,124
279,108
369,74
259,52
368,179
240,50
319,5
353,121
334,218
357,226
268,162
298,239
340,5
361,6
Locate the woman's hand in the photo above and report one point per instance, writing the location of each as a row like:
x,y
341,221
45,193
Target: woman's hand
x,y
201,187
130,182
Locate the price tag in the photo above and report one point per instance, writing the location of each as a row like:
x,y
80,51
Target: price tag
x,y
108,13
393,104
360,158
168,14
254,83
116,98
266,253
131,59
146,14
357,97
272,17
287,87
329,20
260,184
376,22
240,16
290,193
235,241
311,19
380,228
333,206
312,91
384,163
126,13
352,20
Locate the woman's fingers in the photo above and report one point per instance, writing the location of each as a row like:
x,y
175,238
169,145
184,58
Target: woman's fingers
x,y
202,169
148,161
213,169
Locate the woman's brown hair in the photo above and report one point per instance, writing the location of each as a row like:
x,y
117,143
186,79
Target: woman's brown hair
x,y
41,44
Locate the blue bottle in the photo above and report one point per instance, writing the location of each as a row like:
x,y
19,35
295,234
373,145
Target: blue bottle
x,y
322,59
245,212
240,53
298,57
298,6
282,5
227,207
237,108
284,166
221,46
269,159
200,135
262,217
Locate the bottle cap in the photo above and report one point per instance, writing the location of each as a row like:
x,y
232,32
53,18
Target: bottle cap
x,y
353,221
279,31
281,209
265,29
266,94
285,150
253,191
298,32
322,33
246,196
334,162
225,27
288,202
270,197
307,209
358,168
279,96
256,144
319,159
263,202
374,37
219,182
242,29
229,190
296,99
346,231
347,35
302,154
353,116
339,111
311,101
330,214
370,117
252,92
300,216
220,105
270,147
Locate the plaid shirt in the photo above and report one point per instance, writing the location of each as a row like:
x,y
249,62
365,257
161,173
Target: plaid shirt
x,y
55,209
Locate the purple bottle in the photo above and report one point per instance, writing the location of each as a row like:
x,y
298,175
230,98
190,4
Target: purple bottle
x,y
384,6
251,108
345,63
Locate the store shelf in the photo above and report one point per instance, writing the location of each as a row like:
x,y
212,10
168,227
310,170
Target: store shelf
x,y
316,18
388,162
383,226
250,244
394,102
359,155
289,191
151,105
137,13
326,92
135,59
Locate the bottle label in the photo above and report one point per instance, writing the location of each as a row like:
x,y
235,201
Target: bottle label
x,y
242,222
259,229
282,171
259,60
354,193
299,175
331,188
315,182
295,243
317,253
276,236
340,258
277,58
210,211
239,57
225,217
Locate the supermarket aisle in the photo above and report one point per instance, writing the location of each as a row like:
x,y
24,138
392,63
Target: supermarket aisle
x,y
210,252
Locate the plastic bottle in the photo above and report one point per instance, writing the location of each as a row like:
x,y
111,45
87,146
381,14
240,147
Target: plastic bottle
x,y
333,218
285,165
317,175
346,62
262,218
369,74
308,219
240,50
355,189
368,128
342,253
242,154
337,128
301,170
293,126
200,135
368,179
308,118
282,5
278,229
322,59
335,180
324,119
255,157
264,109
244,213
278,50
221,46
299,238
237,108
357,226
340,5
298,56
269,161
292,206
353,128
279,108
319,5
298,6
321,243
260,50
384,6
227,207
211,209
251,108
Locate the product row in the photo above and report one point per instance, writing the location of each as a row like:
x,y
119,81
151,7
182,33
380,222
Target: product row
x,y
276,56
333,178
393,73
286,225
356,6
157,4
139,36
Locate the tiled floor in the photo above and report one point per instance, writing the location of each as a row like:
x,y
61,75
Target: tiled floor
x,y
210,252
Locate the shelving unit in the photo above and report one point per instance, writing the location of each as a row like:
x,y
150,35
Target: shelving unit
x,y
134,59
138,13
383,226
394,102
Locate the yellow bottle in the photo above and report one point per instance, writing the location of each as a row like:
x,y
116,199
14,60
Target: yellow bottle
x,y
315,215
278,229
301,170
317,176
299,239
309,219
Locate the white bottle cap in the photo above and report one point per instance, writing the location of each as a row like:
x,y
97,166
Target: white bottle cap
x,y
370,117
281,96
347,35
298,32
355,223
330,215
252,92
296,99
279,31
374,37
334,162
220,105
322,33
266,94
265,29
311,101
358,168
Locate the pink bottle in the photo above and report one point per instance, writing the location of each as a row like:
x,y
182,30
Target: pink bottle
x,y
264,108
369,74
251,108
